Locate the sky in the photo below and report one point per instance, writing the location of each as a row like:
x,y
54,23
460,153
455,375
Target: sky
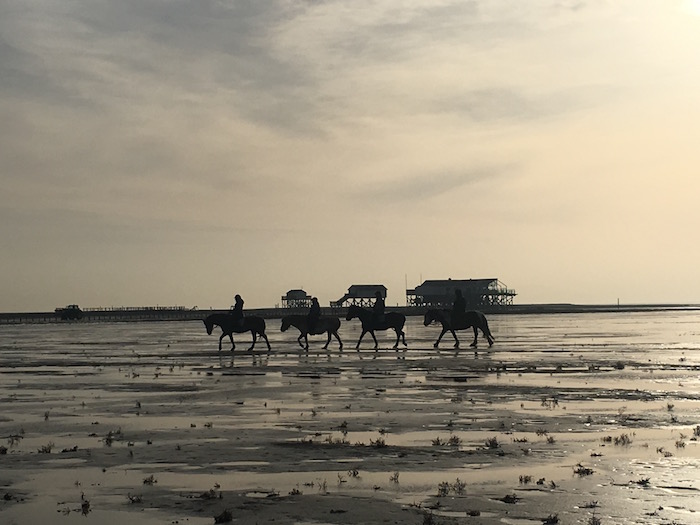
x,y
171,152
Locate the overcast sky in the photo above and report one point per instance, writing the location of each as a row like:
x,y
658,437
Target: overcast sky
x,y
170,152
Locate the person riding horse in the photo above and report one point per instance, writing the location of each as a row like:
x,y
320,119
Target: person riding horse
x,y
237,311
378,308
459,308
314,315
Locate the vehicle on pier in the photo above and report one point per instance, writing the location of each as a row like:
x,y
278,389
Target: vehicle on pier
x,y
72,312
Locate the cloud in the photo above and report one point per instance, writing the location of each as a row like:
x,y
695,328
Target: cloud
x,y
427,186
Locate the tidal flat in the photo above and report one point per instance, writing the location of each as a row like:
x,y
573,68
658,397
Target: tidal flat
x,y
590,418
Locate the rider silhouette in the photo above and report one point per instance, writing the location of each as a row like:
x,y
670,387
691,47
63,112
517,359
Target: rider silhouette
x,y
378,308
237,311
459,308
313,315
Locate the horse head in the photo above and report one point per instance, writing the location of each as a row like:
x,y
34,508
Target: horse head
x,y
286,323
353,311
209,325
430,317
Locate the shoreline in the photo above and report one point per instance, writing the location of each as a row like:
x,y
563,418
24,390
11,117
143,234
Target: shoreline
x,y
174,314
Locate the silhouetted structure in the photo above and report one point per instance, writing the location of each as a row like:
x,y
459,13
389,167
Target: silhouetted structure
x,y
360,295
477,293
296,299
72,312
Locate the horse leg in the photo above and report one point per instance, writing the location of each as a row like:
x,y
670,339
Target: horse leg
x,y
340,343
253,335
487,335
476,333
233,346
454,334
301,334
357,346
437,342
376,344
398,338
306,342
262,334
325,347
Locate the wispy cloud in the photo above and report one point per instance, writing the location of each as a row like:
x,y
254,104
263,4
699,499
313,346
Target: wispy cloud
x,y
427,186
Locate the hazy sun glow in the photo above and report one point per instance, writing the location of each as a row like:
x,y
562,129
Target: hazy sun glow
x,y
693,7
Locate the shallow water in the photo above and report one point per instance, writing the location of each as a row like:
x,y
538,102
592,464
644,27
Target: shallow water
x,y
90,411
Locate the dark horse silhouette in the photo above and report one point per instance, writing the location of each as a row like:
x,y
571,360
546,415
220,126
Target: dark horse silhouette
x,y
393,320
472,318
251,323
324,325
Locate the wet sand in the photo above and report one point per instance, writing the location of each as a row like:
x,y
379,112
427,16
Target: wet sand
x,y
588,418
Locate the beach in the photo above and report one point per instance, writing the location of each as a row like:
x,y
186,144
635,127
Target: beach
x,y
569,418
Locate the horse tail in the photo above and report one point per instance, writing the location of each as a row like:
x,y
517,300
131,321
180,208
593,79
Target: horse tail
x,y
486,329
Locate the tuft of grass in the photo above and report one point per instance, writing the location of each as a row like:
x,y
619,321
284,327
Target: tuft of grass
x,y
46,449
378,443
582,471
510,499
550,403
492,443
14,439
623,440
454,441
112,436
445,488
594,520
150,480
